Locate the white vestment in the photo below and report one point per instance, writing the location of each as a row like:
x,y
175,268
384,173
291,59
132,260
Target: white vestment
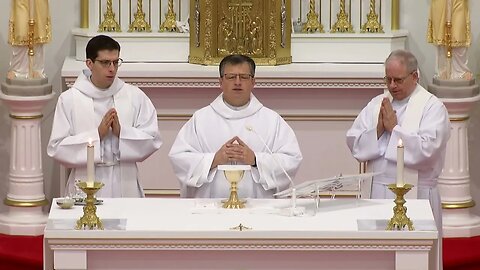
x,y
424,148
210,127
78,114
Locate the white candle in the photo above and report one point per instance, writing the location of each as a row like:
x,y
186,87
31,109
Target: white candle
x,y
400,164
31,8
90,164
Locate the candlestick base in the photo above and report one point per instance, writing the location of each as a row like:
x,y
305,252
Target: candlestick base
x,y
400,219
90,219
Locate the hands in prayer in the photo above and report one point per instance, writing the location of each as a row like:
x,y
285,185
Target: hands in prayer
x,y
110,120
234,150
387,118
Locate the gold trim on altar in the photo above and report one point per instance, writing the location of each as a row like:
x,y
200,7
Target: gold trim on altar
x,y
257,28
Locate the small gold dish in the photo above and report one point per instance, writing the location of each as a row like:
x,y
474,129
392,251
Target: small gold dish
x,y
65,203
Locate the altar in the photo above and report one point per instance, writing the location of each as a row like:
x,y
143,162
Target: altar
x,y
157,233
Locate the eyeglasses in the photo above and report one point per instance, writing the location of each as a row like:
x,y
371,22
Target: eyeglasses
x,y
233,76
107,63
388,80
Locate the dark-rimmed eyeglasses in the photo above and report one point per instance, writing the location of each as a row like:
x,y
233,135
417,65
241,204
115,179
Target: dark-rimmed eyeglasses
x,y
233,76
107,63
388,80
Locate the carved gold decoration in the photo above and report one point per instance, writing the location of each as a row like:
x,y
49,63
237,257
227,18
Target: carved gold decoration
x,y
342,24
170,24
31,52
283,22
241,228
257,28
395,15
400,219
139,23
90,219
196,19
373,23
109,23
313,23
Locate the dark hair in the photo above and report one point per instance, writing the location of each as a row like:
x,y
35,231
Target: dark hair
x,y
236,59
406,58
100,43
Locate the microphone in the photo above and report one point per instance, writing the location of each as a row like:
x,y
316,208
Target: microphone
x,y
277,162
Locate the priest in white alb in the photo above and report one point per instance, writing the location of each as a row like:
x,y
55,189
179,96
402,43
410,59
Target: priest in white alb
x,y
235,129
409,113
117,118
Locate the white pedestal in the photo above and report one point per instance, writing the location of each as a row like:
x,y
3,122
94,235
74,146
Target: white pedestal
x,y
25,197
454,182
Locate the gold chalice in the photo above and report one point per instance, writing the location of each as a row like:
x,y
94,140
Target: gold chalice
x,y
234,174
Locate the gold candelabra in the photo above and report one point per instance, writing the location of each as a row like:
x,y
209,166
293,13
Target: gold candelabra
x,y
90,219
373,24
342,24
313,23
170,24
109,24
139,23
400,219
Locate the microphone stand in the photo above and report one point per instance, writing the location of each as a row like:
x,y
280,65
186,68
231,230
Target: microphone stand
x,y
293,207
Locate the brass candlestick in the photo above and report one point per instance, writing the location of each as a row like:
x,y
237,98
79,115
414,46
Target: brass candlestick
x,y
342,25
313,23
109,24
139,23
373,24
170,24
400,219
90,219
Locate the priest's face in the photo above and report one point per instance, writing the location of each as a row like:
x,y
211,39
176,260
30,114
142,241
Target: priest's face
x,y
400,81
237,83
104,68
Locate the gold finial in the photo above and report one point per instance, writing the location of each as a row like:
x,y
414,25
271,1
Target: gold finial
x,y
139,23
342,24
170,24
373,23
313,23
109,23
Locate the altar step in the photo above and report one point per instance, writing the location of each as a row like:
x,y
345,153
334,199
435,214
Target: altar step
x,y
461,253
25,253
21,252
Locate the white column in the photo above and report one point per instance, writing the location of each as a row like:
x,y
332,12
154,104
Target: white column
x,y
454,182
25,197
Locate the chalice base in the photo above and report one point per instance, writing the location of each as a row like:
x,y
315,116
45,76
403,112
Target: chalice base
x,y
233,202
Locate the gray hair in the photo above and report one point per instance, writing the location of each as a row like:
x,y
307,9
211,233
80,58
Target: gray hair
x,y
406,58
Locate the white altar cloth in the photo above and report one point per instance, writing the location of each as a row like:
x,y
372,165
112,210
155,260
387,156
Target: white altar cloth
x,y
157,233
